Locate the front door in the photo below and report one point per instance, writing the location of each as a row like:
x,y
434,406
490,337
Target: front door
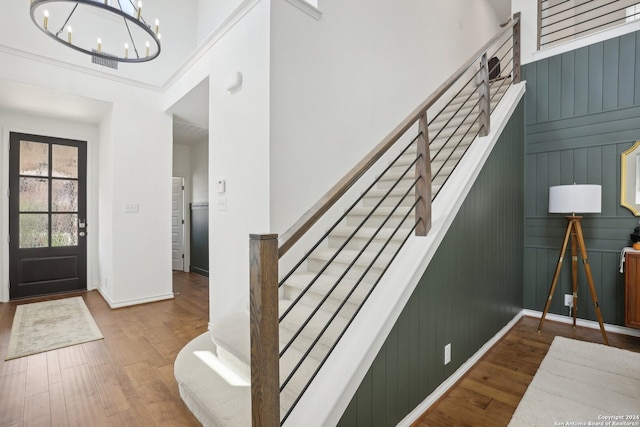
x,y
47,215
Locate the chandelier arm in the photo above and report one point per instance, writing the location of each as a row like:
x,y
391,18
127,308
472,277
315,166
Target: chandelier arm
x,y
67,21
133,43
136,8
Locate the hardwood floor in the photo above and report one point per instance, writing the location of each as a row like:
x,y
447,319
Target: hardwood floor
x,y
124,380
127,378
491,390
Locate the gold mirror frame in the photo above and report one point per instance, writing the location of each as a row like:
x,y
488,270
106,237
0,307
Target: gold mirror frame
x,y
630,179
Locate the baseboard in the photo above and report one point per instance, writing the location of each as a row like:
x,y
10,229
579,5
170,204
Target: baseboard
x,y
200,271
135,301
616,329
458,374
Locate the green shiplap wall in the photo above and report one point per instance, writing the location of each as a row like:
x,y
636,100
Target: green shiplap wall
x,y
582,112
471,289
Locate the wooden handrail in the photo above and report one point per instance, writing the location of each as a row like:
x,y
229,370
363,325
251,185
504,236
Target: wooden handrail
x,y
295,232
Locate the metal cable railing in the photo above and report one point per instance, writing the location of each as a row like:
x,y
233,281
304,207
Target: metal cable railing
x,y
326,287
559,22
466,129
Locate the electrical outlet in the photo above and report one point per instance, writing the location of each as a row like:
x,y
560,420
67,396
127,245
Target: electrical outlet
x,y
568,300
447,354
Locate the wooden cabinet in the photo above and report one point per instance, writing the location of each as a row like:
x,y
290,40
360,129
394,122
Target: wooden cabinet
x,y
632,290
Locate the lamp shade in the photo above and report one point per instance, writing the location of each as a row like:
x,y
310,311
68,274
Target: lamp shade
x,y
574,198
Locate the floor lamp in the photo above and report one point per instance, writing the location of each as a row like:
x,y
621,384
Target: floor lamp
x,y
572,199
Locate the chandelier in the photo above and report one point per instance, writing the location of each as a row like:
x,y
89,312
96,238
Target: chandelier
x,y
108,29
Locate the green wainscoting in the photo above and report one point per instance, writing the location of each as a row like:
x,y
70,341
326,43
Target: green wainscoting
x,y
471,289
582,112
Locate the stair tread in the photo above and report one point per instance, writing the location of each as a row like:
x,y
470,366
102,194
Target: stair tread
x,y
324,283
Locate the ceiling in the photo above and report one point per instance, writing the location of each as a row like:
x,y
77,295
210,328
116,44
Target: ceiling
x,y
191,115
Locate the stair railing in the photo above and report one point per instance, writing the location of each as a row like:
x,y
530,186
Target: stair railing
x,y
431,148
562,21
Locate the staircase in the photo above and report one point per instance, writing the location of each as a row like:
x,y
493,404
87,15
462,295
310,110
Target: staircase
x,y
323,292
340,274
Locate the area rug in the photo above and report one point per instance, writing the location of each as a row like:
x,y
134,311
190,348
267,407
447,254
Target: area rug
x,y
44,326
580,383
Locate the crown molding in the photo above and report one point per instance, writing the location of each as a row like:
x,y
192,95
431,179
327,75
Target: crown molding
x,y
76,68
310,10
239,12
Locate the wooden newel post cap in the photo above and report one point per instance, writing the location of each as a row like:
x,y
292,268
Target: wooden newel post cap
x,y
263,236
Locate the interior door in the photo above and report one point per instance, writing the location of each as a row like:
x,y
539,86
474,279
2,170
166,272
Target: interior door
x,y
177,224
47,215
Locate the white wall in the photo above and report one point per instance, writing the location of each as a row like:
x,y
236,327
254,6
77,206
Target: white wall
x,y
182,163
211,14
142,177
200,172
133,163
238,147
341,83
191,161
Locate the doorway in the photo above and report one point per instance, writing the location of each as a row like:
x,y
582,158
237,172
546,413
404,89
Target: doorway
x,y
47,215
177,223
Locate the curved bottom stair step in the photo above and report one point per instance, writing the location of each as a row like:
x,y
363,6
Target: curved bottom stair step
x,y
212,400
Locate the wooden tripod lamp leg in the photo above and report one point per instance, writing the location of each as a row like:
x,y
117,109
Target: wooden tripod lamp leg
x,y
555,275
592,288
574,275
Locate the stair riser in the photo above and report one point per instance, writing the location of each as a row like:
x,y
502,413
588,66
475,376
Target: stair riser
x,y
391,201
357,243
302,343
312,298
377,220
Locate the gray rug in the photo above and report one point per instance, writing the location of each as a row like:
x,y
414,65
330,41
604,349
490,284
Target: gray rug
x,y
580,383
44,326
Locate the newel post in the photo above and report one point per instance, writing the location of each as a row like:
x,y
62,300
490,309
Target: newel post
x,y
485,101
539,35
516,48
423,179
263,306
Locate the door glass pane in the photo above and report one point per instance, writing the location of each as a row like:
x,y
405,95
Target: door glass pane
x,y
34,194
64,195
65,161
64,230
34,158
34,230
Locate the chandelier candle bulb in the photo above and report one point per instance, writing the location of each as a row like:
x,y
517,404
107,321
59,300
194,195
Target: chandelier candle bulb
x,y
99,45
69,31
139,9
46,19
147,48
126,50
157,25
